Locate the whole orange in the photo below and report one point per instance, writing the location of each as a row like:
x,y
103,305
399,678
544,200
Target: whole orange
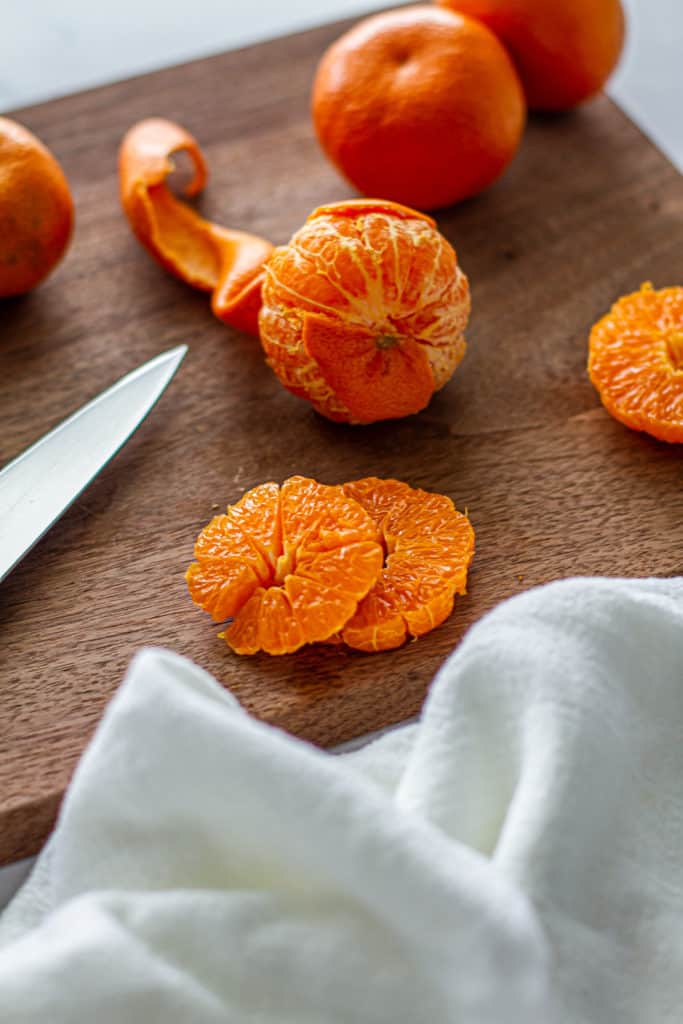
x,y
565,50
364,311
36,210
418,105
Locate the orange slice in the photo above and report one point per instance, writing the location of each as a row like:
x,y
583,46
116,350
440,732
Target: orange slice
x,y
288,564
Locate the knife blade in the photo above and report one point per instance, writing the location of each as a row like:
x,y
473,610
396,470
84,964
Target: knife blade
x,y
39,485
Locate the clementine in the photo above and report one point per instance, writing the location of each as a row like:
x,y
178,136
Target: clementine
x,y
287,564
418,105
565,50
364,311
636,361
428,547
36,210
368,563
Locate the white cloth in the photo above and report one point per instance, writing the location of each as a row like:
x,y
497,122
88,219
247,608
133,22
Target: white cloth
x,y
517,856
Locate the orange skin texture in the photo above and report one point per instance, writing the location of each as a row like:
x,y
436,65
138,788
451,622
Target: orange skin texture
x,y
418,105
36,210
227,263
565,50
364,311
288,564
428,549
636,361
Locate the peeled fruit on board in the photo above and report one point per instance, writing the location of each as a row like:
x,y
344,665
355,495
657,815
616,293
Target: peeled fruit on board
x,y
419,105
36,210
368,563
364,311
565,50
428,548
218,260
636,361
288,564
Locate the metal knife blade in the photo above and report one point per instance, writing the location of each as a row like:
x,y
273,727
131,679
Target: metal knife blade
x,y
38,486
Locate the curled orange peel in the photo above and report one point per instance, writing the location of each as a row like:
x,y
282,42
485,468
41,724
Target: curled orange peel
x,y
227,263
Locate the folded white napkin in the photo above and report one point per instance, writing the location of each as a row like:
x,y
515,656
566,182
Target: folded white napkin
x,y
517,856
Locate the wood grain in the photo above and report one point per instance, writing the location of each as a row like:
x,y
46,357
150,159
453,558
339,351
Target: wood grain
x,y
554,487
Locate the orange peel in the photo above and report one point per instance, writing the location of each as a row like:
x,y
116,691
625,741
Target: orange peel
x,y
227,263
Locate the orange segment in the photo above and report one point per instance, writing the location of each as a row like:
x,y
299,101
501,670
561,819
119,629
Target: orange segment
x,y
279,629
249,535
221,587
315,605
245,634
227,263
289,564
338,570
636,361
377,627
316,517
429,546
254,525
369,371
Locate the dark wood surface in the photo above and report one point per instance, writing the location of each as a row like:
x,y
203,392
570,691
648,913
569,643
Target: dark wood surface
x,y
554,487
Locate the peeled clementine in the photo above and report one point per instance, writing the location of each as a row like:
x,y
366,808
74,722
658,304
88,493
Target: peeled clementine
x,y
565,50
36,210
636,361
287,564
428,548
418,105
364,311
368,563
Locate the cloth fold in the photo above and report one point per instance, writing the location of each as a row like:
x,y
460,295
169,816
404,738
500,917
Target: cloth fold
x,y
517,855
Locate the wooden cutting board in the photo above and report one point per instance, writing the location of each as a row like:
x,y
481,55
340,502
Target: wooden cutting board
x,y
554,486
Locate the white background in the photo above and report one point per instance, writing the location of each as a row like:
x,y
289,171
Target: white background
x,y
51,47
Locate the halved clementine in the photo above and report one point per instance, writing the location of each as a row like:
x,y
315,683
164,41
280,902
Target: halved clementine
x,y
636,361
428,549
288,564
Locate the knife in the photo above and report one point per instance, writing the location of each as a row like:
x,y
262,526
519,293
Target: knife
x,y
38,486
